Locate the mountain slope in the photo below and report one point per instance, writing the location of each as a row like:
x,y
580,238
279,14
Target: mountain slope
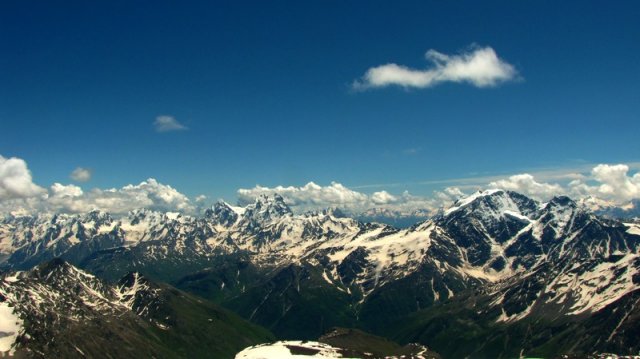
x,y
466,326
65,312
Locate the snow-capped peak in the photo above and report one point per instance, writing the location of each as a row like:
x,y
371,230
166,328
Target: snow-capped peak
x,y
267,208
492,204
224,214
463,202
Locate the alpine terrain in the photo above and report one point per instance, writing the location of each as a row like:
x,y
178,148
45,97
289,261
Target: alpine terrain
x,y
497,274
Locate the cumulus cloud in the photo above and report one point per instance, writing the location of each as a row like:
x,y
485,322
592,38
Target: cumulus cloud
x,y
16,181
527,185
315,197
614,184
147,194
168,123
309,195
480,67
383,197
449,195
81,174
18,194
610,183
67,198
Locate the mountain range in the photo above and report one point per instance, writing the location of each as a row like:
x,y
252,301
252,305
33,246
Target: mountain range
x,y
497,274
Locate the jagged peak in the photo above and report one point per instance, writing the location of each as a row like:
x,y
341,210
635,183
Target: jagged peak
x,y
274,199
97,213
138,213
267,207
561,201
335,212
562,206
223,206
223,213
97,216
330,211
148,215
59,217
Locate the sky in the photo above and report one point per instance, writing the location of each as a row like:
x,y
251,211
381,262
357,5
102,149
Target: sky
x,y
373,102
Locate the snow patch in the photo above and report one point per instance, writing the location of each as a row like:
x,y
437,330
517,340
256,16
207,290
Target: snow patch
x,y
633,228
283,350
10,327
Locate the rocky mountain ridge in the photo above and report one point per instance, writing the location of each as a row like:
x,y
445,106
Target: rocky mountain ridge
x,y
534,260
58,310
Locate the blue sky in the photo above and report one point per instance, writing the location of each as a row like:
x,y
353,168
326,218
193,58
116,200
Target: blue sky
x,y
265,92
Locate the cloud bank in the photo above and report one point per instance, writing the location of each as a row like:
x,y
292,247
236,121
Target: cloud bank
x,y
480,67
603,184
147,194
20,195
118,201
315,197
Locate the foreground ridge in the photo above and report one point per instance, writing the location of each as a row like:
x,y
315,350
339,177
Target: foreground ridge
x,y
58,310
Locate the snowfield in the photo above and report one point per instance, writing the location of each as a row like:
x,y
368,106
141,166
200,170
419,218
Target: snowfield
x,y
290,349
10,326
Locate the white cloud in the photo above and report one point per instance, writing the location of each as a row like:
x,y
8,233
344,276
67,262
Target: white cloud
x,y
16,181
449,195
19,195
81,174
383,197
604,183
168,123
616,183
315,197
612,184
309,195
67,198
526,184
148,194
480,67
